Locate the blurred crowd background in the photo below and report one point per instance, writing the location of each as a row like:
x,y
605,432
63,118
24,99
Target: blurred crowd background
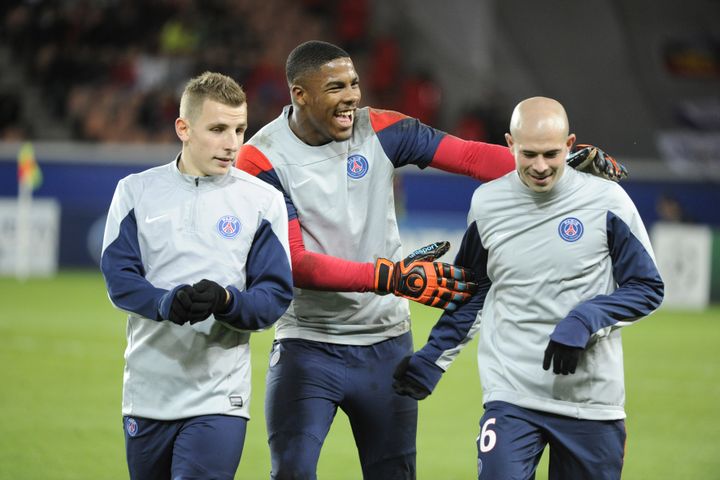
x,y
112,71
638,76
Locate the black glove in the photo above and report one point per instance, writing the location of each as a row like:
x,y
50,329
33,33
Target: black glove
x,y
404,385
563,358
591,159
183,309
210,296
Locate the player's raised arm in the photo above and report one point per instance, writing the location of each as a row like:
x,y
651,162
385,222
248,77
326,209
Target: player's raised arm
x,y
406,140
442,285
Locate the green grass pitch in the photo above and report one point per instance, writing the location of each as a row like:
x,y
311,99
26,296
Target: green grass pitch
x,y
61,349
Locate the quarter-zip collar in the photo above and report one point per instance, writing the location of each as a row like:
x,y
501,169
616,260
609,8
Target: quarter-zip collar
x,y
195,181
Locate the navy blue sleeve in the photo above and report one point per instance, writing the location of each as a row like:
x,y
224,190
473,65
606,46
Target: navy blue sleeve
x,y
453,330
640,289
121,265
410,141
270,176
269,284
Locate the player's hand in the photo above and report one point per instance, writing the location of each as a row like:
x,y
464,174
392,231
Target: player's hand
x,y
404,385
184,310
591,159
564,359
419,278
210,297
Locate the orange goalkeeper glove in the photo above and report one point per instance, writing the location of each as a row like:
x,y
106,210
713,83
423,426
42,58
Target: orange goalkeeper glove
x,y
419,278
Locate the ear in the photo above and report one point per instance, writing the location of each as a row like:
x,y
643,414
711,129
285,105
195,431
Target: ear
x,y
570,141
182,129
297,93
509,140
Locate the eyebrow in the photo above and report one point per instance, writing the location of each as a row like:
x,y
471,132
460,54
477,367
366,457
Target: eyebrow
x,y
225,125
533,152
341,83
334,83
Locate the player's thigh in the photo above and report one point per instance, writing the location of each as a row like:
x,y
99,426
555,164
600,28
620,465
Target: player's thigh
x,y
149,446
510,443
384,423
305,382
209,446
586,449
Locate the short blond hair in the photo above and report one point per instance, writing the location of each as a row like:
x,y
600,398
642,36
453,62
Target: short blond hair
x,y
212,86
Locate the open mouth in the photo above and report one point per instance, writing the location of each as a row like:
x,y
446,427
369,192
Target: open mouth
x,y
345,118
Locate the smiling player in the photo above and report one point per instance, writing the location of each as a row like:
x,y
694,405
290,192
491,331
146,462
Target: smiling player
x,y
563,262
337,345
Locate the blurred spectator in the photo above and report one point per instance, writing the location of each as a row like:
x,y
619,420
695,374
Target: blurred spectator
x,y
384,70
11,126
420,97
352,26
472,125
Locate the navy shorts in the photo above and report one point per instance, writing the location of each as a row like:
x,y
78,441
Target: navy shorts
x,y
512,440
208,446
306,383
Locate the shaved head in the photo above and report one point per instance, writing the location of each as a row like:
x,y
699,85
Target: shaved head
x,y
539,116
539,139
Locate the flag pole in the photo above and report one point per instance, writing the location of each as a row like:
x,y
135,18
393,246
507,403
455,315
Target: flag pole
x,y
22,231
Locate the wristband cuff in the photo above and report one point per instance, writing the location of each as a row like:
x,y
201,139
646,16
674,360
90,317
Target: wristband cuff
x,y
383,276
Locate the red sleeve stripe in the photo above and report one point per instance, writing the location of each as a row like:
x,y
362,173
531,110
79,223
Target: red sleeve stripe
x,y
381,119
252,160
483,161
316,271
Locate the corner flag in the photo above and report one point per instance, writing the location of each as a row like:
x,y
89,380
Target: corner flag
x,y
29,174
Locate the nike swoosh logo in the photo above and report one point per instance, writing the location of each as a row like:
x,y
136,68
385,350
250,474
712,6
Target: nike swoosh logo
x,y
149,219
301,183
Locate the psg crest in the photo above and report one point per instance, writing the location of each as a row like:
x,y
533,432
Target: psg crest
x,y
571,229
228,226
357,166
131,426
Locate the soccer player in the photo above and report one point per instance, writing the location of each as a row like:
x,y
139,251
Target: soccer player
x,y
196,252
563,261
338,343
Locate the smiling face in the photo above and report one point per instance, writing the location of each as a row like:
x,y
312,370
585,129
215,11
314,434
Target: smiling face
x,y
540,159
540,142
325,101
211,138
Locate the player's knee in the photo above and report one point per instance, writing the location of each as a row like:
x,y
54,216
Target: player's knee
x,y
396,468
293,467
294,456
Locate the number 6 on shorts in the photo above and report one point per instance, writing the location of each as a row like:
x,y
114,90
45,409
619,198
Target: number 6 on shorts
x,y
487,439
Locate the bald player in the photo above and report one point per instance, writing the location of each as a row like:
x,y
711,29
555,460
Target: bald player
x,y
349,323
563,261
